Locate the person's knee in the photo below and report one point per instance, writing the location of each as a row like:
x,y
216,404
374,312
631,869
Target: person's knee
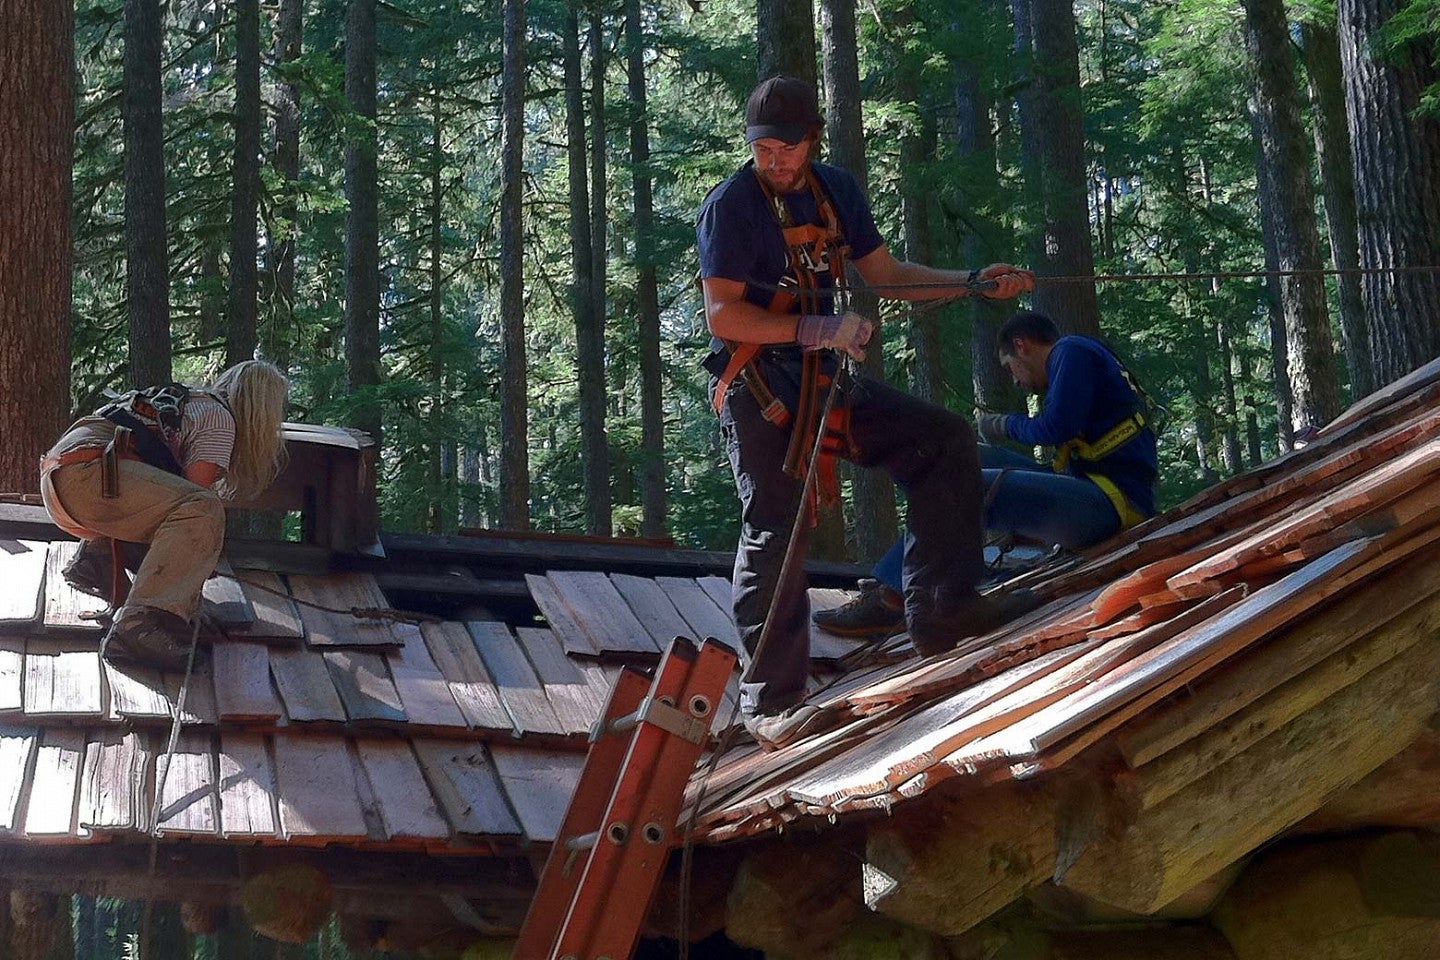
x,y
204,505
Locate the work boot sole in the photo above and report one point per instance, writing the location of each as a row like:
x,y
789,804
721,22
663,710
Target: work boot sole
x,y
865,633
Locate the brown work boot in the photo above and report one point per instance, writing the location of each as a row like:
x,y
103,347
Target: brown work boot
x,y
92,570
940,620
775,730
148,637
878,610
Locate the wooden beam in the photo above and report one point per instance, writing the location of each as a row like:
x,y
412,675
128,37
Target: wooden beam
x,y
1263,790
950,861
1402,792
794,899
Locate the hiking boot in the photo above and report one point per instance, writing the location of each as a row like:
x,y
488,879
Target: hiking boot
x,y
939,623
148,637
775,730
878,610
92,570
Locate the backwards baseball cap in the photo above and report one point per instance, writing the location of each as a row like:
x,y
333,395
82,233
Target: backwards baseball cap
x,y
782,108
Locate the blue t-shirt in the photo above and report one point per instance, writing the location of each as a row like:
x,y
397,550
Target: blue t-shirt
x,y
1088,395
740,239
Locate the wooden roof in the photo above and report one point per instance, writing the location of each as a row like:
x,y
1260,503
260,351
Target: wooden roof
x,y
1148,642
310,726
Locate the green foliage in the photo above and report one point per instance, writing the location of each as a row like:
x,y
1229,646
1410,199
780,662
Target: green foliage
x,y
1170,155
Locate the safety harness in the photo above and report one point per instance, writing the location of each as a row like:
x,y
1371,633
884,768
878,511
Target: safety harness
x,y
811,249
1111,440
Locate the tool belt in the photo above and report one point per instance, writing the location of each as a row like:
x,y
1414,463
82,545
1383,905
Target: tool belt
x,y
120,447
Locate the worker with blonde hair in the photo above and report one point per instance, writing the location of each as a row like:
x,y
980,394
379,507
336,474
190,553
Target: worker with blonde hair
x,y
152,467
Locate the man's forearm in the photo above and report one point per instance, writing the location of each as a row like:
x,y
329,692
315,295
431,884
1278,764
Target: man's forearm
x,y
943,283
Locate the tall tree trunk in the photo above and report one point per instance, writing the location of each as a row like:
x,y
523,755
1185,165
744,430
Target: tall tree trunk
x,y
599,192
1073,306
873,493
514,408
1396,153
1032,163
785,34
652,414
245,200
1252,433
975,134
1279,350
362,222
37,115
1337,179
1230,439
1284,187
147,280
589,329
435,514
280,331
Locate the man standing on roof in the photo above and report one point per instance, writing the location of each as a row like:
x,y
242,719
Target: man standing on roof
x,y
1101,481
774,242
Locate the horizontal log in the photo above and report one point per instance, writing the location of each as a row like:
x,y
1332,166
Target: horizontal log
x,y
1402,792
1264,790
1376,896
945,863
794,900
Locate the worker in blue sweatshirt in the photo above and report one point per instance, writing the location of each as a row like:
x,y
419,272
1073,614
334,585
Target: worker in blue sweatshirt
x,y
1101,481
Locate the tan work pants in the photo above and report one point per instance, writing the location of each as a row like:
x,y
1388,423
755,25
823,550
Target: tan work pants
x,y
183,523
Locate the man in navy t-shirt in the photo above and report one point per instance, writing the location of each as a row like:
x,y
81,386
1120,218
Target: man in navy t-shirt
x,y
779,225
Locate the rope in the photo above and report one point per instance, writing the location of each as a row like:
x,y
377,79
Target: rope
x,y
1141,278
359,613
727,737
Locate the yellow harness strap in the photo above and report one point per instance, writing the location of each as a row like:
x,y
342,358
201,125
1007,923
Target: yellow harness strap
x,y
1114,438
1129,516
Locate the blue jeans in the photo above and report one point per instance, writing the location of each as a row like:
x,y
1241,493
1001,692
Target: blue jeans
x,y
1033,501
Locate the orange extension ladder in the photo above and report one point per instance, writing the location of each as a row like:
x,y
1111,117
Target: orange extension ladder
x,y
621,826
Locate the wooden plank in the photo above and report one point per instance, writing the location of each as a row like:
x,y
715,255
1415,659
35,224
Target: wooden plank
x,y
1159,854
1202,645
316,788
424,693
463,779
114,781
706,619
242,682
1234,686
651,607
570,691
521,691
342,591
364,684
305,685
12,673
602,612
223,600
62,679
276,617
65,607
22,581
539,784
200,708
248,806
55,783
560,617
395,776
1173,771
17,747
454,653
189,799
136,692
719,589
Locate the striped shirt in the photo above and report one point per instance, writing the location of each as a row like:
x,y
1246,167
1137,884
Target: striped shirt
x,y
207,433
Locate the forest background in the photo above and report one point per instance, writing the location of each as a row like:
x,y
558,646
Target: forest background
x,y
468,227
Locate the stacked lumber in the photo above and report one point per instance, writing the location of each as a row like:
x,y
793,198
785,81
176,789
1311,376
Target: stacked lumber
x,y
1184,648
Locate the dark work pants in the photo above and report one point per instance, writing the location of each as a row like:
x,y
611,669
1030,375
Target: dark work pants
x,y
931,454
